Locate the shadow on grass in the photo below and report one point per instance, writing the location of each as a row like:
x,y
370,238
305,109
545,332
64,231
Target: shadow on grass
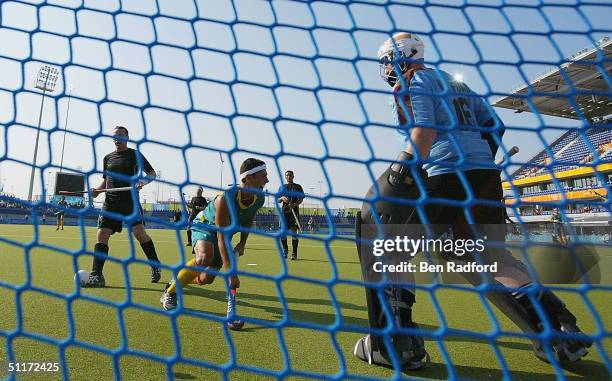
x,y
250,300
243,298
329,318
325,261
159,289
183,376
470,339
584,369
589,368
263,249
579,371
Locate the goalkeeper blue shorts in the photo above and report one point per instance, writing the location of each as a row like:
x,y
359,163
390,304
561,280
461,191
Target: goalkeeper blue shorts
x,y
205,235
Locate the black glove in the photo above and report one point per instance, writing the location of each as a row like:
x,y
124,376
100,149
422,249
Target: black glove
x,y
397,182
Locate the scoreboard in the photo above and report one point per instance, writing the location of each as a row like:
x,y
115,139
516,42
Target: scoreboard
x,y
69,182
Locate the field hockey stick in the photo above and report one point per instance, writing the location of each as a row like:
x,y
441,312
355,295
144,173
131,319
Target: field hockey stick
x,y
121,189
297,220
235,324
513,151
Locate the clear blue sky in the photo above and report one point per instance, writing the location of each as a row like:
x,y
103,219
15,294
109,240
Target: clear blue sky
x,y
295,83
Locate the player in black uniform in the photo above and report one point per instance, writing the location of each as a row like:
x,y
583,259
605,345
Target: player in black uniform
x,y
198,203
177,216
126,162
292,196
60,213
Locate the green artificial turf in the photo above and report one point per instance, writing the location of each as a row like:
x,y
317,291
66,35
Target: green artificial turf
x,y
109,337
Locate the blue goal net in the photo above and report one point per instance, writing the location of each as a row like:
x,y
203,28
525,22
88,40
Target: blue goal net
x,y
204,84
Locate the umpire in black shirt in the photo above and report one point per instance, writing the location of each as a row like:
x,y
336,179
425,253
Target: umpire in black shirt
x,y
126,162
198,203
292,196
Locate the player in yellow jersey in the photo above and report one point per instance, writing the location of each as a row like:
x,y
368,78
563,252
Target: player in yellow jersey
x,y
236,206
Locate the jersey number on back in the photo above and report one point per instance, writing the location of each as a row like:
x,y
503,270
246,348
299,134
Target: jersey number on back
x,y
464,114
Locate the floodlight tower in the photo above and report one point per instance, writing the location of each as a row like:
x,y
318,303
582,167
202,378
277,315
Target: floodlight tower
x,y
160,185
311,193
66,126
45,80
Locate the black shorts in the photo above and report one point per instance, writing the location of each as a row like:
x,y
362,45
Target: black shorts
x,y
485,185
290,219
116,226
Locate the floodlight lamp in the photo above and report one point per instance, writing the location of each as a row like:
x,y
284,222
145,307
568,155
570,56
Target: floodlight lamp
x,y
47,78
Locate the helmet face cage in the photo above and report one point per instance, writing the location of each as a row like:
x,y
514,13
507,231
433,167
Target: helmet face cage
x,y
399,54
400,66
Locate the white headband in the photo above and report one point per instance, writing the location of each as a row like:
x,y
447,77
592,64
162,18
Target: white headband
x,y
253,170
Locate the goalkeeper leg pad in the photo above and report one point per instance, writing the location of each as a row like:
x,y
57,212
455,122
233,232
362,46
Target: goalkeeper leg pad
x,y
565,350
397,182
509,306
522,313
397,298
503,298
410,348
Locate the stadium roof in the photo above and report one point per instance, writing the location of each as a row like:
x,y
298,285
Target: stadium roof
x,y
550,92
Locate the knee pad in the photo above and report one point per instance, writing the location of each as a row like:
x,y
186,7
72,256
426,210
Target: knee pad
x,y
395,191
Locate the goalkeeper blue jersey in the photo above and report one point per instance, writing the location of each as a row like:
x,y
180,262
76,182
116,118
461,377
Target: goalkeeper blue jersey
x,y
205,220
457,113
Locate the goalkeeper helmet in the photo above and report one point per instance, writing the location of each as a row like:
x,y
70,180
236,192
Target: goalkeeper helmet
x,y
397,53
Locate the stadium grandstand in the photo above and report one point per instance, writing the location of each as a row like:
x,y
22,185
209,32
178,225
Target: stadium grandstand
x,y
161,215
575,171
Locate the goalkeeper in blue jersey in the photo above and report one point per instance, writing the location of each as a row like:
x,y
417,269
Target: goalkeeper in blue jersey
x,y
453,136
234,206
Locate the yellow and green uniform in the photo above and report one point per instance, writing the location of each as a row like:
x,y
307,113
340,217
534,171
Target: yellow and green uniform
x,y
558,228
203,226
61,213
